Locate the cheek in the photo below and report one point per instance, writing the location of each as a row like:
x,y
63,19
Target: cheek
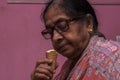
x,y
83,38
78,37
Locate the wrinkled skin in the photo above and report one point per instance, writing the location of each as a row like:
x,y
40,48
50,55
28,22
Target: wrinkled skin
x,y
69,44
43,70
72,42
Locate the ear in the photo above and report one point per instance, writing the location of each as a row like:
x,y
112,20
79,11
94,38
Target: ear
x,y
89,18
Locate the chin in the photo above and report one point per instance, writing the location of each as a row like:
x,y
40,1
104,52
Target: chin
x,y
67,53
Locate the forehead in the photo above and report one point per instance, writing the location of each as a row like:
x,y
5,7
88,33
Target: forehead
x,y
53,14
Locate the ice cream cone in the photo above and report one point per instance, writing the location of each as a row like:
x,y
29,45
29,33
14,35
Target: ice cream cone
x,y
52,54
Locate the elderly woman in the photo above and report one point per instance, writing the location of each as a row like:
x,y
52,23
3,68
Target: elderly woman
x,y
72,27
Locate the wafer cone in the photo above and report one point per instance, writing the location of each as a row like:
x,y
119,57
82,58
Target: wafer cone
x,y
52,54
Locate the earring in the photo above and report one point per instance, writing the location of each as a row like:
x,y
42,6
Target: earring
x,y
90,30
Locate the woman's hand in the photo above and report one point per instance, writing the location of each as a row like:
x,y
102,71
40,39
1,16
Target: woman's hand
x,y
43,70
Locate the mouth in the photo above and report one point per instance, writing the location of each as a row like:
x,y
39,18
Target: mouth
x,y
63,48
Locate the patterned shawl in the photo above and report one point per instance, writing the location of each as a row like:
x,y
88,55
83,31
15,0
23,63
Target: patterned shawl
x,y
100,61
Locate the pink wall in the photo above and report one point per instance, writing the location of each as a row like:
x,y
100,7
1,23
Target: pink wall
x,y
109,20
21,43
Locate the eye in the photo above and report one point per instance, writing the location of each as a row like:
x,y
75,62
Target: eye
x,y
50,30
62,27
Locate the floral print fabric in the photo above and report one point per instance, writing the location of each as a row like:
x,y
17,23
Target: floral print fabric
x,y
100,61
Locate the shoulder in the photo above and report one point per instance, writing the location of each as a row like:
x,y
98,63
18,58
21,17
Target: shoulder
x,y
104,46
105,56
107,49
110,46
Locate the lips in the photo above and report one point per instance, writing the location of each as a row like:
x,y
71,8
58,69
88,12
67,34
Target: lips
x,y
62,48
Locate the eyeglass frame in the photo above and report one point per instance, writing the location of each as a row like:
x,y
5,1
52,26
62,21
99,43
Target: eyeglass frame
x,y
68,21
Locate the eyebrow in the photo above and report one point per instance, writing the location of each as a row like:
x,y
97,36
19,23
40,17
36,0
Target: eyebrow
x,y
56,22
59,20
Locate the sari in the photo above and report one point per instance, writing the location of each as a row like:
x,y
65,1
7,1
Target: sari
x,y
100,61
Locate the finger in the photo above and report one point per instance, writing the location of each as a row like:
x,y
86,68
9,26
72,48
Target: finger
x,y
45,61
47,67
41,76
44,71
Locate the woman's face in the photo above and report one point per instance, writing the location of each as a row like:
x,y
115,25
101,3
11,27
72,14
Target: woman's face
x,y
71,42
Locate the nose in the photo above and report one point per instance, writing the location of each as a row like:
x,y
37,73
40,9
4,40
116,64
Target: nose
x,y
57,36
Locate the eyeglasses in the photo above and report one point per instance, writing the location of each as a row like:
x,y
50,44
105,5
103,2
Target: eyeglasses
x,y
60,27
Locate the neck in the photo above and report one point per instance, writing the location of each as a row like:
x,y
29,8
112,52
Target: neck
x,y
80,54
